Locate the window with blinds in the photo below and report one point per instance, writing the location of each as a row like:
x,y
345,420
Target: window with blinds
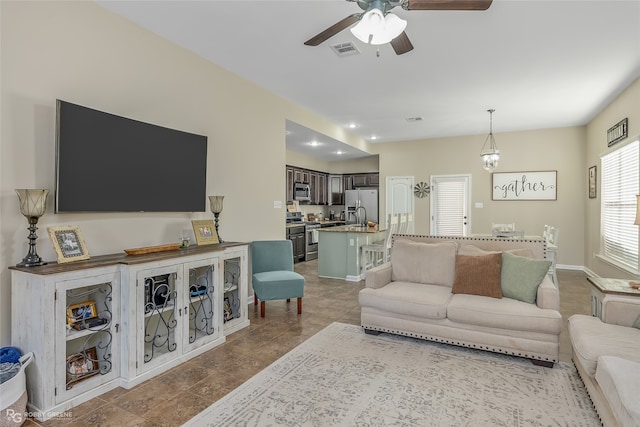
x,y
618,208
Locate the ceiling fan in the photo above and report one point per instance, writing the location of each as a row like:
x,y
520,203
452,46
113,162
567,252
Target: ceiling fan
x,y
376,25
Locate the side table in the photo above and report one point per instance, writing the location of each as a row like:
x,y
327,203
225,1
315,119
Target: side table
x,y
604,288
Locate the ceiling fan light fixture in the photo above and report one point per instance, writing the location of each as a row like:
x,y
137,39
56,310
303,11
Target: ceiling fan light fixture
x,y
393,27
372,22
490,155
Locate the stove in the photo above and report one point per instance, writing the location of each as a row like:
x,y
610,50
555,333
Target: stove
x,y
311,231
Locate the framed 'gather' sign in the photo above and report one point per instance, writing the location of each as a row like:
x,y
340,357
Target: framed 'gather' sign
x,y
541,185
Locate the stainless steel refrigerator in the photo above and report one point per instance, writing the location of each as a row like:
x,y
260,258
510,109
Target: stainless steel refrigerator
x,y
367,198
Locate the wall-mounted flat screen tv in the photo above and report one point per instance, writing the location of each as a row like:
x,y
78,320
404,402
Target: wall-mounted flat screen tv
x,y
108,163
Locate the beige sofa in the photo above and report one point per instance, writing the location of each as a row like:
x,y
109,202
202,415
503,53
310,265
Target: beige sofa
x,y
413,295
607,356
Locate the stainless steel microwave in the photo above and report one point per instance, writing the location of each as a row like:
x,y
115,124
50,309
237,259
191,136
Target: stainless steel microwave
x,y
301,192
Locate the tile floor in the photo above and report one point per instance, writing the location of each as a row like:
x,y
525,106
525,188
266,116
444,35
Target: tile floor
x,y
175,396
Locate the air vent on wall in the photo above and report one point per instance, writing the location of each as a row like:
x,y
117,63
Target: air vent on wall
x,y
345,49
414,119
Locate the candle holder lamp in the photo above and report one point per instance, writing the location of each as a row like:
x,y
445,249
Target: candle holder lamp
x,y
216,209
32,206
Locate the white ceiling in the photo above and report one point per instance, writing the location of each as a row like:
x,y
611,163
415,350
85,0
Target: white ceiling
x,y
540,64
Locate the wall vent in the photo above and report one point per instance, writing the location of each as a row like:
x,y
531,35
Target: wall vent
x,y
345,49
414,119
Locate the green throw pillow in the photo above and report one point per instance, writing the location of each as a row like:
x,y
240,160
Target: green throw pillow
x,y
636,324
521,276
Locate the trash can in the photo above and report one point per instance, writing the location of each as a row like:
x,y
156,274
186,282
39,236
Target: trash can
x,y
13,396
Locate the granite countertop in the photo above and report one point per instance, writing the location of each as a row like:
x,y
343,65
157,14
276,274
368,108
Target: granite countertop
x,y
352,229
323,223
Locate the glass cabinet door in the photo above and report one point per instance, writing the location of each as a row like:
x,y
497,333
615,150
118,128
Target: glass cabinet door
x,y
87,316
157,294
201,325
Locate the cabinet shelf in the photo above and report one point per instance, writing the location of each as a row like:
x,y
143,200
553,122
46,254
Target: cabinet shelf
x,y
159,310
72,334
230,289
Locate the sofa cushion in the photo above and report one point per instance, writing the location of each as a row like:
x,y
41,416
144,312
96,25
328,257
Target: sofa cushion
x,y
478,275
431,263
471,250
521,276
592,338
412,299
619,380
503,313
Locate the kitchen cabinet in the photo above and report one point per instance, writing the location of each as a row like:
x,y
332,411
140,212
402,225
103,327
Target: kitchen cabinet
x,y
290,181
354,181
313,186
301,175
297,236
321,190
335,190
117,320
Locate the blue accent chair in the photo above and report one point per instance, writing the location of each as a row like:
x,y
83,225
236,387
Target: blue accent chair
x,y
272,272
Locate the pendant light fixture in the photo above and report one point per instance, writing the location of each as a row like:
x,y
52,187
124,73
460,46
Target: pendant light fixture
x,y
490,155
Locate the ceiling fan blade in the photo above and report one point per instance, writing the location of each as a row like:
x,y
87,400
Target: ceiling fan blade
x,y
449,4
402,44
333,30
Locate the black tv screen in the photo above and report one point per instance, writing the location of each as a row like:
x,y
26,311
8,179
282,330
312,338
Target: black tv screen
x,y
108,163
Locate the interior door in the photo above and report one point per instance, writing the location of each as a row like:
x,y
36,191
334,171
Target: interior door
x,y
400,197
450,205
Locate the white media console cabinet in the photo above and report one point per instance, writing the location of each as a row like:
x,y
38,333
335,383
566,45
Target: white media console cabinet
x,y
118,320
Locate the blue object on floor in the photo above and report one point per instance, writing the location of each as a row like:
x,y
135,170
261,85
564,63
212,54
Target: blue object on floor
x,y
9,355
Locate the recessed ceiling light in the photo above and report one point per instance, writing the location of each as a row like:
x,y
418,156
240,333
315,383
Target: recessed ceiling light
x,y
314,143
373,137
352,125
339,152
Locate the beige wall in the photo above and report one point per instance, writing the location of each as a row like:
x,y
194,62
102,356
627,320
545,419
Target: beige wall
x,y
625,105
81,53
562,150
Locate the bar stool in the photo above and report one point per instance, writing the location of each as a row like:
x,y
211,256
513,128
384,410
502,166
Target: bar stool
x,y
378,253
551,234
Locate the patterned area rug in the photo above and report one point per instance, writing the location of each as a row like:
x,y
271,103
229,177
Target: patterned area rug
x,y
343,377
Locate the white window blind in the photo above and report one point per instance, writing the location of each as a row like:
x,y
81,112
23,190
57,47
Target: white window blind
x,y
450,213
619,190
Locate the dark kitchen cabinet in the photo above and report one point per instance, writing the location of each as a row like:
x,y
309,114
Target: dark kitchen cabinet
x,y
290,181
336,191
321,189
296,235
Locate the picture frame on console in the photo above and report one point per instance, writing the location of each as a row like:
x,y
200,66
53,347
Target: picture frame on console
x,y
81,312
205,232
68,243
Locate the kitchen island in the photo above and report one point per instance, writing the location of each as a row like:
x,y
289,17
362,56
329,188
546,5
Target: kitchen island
x,y
339,250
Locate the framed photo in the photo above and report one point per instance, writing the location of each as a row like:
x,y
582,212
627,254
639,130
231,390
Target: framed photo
x,y
68,243
82,365
541,185
205,232
593,182
78,313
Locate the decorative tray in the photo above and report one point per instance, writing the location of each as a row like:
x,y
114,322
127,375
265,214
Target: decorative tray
x,y
151,249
